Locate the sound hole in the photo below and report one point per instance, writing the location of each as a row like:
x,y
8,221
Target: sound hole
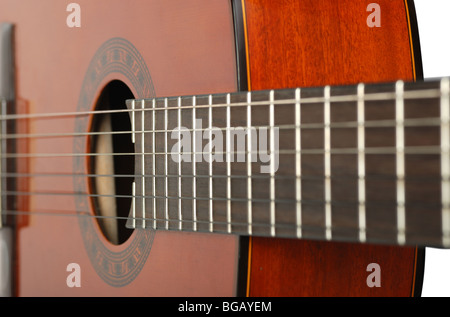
x,y
111,180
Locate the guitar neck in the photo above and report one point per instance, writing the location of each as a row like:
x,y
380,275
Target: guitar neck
x,y
362,163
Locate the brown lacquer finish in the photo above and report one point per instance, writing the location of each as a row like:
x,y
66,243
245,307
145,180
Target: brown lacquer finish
x,y
166,49
315,43
157,48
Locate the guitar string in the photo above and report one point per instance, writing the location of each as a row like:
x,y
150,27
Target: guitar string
x,y
384,123
313,227
418,150
351,177
311,100
379,96
315,231
232,199
430,93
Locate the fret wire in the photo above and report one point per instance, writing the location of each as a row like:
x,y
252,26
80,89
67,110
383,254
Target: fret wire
x,y
133,204
298,165
361,165
133,189
228,153
272,162
180,214
133,122
166,180
327,148
154,163
211,214
382,96
445,160
143,166
194,171
400,166
249,164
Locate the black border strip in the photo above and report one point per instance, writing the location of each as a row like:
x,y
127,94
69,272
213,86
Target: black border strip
x,y
414,28
418,66
242,85
420,270
240,41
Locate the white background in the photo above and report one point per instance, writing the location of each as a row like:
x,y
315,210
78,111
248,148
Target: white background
x,y
434,23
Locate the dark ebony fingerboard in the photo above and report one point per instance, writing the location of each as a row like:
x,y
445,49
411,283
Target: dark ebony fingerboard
x,y
365,163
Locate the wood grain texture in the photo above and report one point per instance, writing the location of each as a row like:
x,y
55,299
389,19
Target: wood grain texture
x,y
311,268
316,43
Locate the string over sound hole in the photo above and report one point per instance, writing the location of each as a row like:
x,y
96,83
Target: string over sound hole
x,y
110,170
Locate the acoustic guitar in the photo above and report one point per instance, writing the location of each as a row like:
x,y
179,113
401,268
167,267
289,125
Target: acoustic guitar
x,y
219,148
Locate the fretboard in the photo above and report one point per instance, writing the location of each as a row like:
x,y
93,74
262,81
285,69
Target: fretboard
x,y
363,163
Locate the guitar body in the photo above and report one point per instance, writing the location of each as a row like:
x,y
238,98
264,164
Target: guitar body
x,y
326,43
55,70
173,48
